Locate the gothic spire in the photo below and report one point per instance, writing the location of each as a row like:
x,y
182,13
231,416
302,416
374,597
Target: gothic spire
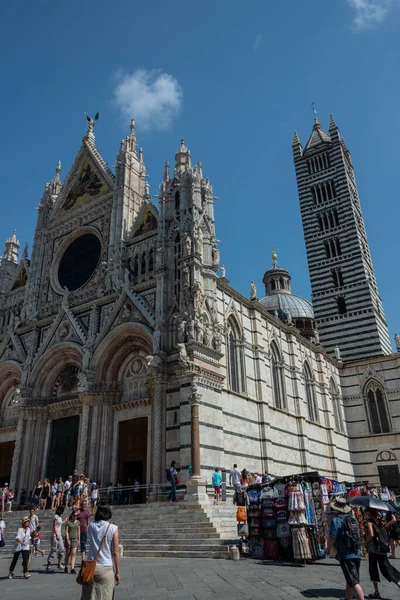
x,y
296,139
12,247
182,158
131,139
55,183
332,124
166,177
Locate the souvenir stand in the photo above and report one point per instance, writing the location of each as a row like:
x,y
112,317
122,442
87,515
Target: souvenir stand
x,y
287,519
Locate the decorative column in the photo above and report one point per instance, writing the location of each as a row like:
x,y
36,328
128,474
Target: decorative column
x,y
83,435
17,454
159,429
195,486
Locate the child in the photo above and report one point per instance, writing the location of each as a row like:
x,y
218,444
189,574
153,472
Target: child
x,y
94,497
216,481
10,499
35,538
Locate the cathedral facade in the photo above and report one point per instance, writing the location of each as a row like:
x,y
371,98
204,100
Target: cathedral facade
x,y
123,346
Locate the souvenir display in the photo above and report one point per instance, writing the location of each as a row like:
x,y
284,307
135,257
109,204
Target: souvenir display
x,y
289,517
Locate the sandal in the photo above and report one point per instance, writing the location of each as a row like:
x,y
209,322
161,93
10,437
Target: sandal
x,y
375,595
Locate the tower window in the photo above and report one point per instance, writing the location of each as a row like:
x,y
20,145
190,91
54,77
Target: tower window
x,y
332,247
341,304
337,277
318,163
378,419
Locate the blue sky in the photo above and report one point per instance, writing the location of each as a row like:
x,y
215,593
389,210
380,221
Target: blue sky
x,y
234,80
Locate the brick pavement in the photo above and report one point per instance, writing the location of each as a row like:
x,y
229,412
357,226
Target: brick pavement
x,y
189,579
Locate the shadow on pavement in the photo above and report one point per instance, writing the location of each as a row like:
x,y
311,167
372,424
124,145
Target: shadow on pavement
x,y
323,593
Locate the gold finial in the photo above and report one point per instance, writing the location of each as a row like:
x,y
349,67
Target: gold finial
x,y
274,255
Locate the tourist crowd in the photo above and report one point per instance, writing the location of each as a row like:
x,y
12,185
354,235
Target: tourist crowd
x,y
69,493
67,536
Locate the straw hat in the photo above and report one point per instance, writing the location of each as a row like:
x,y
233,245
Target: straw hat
x,y
339,504
25,520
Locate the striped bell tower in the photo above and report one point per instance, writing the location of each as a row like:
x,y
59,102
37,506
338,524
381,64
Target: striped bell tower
x,y
347,306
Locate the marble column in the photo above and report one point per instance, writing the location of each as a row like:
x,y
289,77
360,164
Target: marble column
x,y
158,442
17,453
195,433
195,486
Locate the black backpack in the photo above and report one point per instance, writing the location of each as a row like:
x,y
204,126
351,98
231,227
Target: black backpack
x,y
350,533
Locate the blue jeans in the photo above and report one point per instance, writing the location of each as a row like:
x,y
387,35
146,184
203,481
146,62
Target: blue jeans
x,y
172,494
83,541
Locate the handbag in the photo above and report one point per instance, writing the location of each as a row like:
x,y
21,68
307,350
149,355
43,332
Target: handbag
x,y
86,573
2,543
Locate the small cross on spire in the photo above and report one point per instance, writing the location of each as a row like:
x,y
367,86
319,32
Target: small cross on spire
x,y
314,111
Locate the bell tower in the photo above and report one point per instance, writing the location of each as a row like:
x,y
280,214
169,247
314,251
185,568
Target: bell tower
x,y
347,306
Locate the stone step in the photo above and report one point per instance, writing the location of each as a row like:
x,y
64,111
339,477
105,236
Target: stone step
x,y
175,541
176,548
177,554
140,526
162,535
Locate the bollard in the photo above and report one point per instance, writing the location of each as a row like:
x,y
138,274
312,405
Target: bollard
x,y
234,551
121,550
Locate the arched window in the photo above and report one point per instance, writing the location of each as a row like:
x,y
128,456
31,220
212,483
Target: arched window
x,y
236,376
151,260
378,419
277,378
136,266
337,408
177,201
177,258
143,264
311,397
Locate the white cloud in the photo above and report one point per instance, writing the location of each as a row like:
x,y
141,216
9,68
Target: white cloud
x,y
370,12
152,97
257,42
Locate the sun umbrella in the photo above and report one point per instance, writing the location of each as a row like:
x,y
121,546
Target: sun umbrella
x,y
371,502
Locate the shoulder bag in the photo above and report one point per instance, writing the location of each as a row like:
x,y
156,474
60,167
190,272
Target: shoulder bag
x,y
86,573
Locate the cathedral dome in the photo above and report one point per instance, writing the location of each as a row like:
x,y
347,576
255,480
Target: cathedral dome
x,y
280,302
284,303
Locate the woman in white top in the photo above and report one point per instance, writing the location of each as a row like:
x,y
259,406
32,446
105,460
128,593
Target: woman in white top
x,y
22,544
2,530
107,573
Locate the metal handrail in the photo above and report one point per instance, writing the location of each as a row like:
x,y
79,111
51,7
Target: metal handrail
x,y
153,491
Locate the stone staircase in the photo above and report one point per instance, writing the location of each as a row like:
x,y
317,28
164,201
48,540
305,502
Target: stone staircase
x,y
157,529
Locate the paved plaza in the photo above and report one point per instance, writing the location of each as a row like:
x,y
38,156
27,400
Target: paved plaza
x,y
191,579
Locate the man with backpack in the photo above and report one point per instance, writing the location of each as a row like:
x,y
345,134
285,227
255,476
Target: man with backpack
x,y
345,535
172,477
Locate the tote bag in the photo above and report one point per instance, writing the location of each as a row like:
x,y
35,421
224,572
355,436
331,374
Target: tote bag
x,y
88,567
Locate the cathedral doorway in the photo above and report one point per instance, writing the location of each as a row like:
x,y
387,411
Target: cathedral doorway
x,y
132,452
389,475
6,456
63,445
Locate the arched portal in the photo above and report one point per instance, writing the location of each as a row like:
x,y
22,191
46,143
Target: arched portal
x,y
10,378
120,368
